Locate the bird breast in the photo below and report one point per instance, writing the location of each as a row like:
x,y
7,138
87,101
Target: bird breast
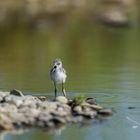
x,y
59,77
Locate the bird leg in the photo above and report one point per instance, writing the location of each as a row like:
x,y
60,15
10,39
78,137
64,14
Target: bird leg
x,y
55,90
63,90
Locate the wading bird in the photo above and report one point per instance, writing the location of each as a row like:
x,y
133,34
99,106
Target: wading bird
x,y
58,75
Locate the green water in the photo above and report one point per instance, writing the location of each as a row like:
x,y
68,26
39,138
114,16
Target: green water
x,y
100,62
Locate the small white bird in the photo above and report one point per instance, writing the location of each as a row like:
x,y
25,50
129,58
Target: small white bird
x,y
58,75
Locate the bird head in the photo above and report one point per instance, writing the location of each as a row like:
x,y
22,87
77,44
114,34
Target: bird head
x,y
57,63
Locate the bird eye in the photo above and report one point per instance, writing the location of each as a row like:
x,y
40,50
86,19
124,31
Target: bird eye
x,y
54,67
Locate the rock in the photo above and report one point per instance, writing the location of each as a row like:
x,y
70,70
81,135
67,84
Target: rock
x,y
5,122
115,13
47,105
57,120
77,109
12,99
105,112
3,94
1,99
61,113
62,99
16,92
115,19
6,108
91,101
43,119
90,114
42,98
95,107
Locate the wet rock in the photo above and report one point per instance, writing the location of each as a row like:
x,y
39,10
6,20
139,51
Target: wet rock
x,y
5,123
43,120
84,111
62,99
91,114
91,101
105,112
16,92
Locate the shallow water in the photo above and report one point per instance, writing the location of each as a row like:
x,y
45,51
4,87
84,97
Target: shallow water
x,y
100,62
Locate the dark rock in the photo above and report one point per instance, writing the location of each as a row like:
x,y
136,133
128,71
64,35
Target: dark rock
x,y
91,100
16,93
58,120
105,112
131,107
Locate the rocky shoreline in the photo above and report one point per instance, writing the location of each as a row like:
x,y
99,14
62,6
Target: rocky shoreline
x,y
18,111
116,13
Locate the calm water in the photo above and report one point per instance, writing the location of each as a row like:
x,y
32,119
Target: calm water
x,y
100,62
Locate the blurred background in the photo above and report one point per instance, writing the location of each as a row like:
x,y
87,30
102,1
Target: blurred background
x,y
99,44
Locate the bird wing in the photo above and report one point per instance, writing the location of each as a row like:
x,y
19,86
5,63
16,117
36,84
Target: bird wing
x,y
64,70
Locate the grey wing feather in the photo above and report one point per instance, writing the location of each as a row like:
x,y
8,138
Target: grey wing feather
x,y
52,70
64,70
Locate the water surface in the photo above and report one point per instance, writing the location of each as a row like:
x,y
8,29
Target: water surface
x,y
100,62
